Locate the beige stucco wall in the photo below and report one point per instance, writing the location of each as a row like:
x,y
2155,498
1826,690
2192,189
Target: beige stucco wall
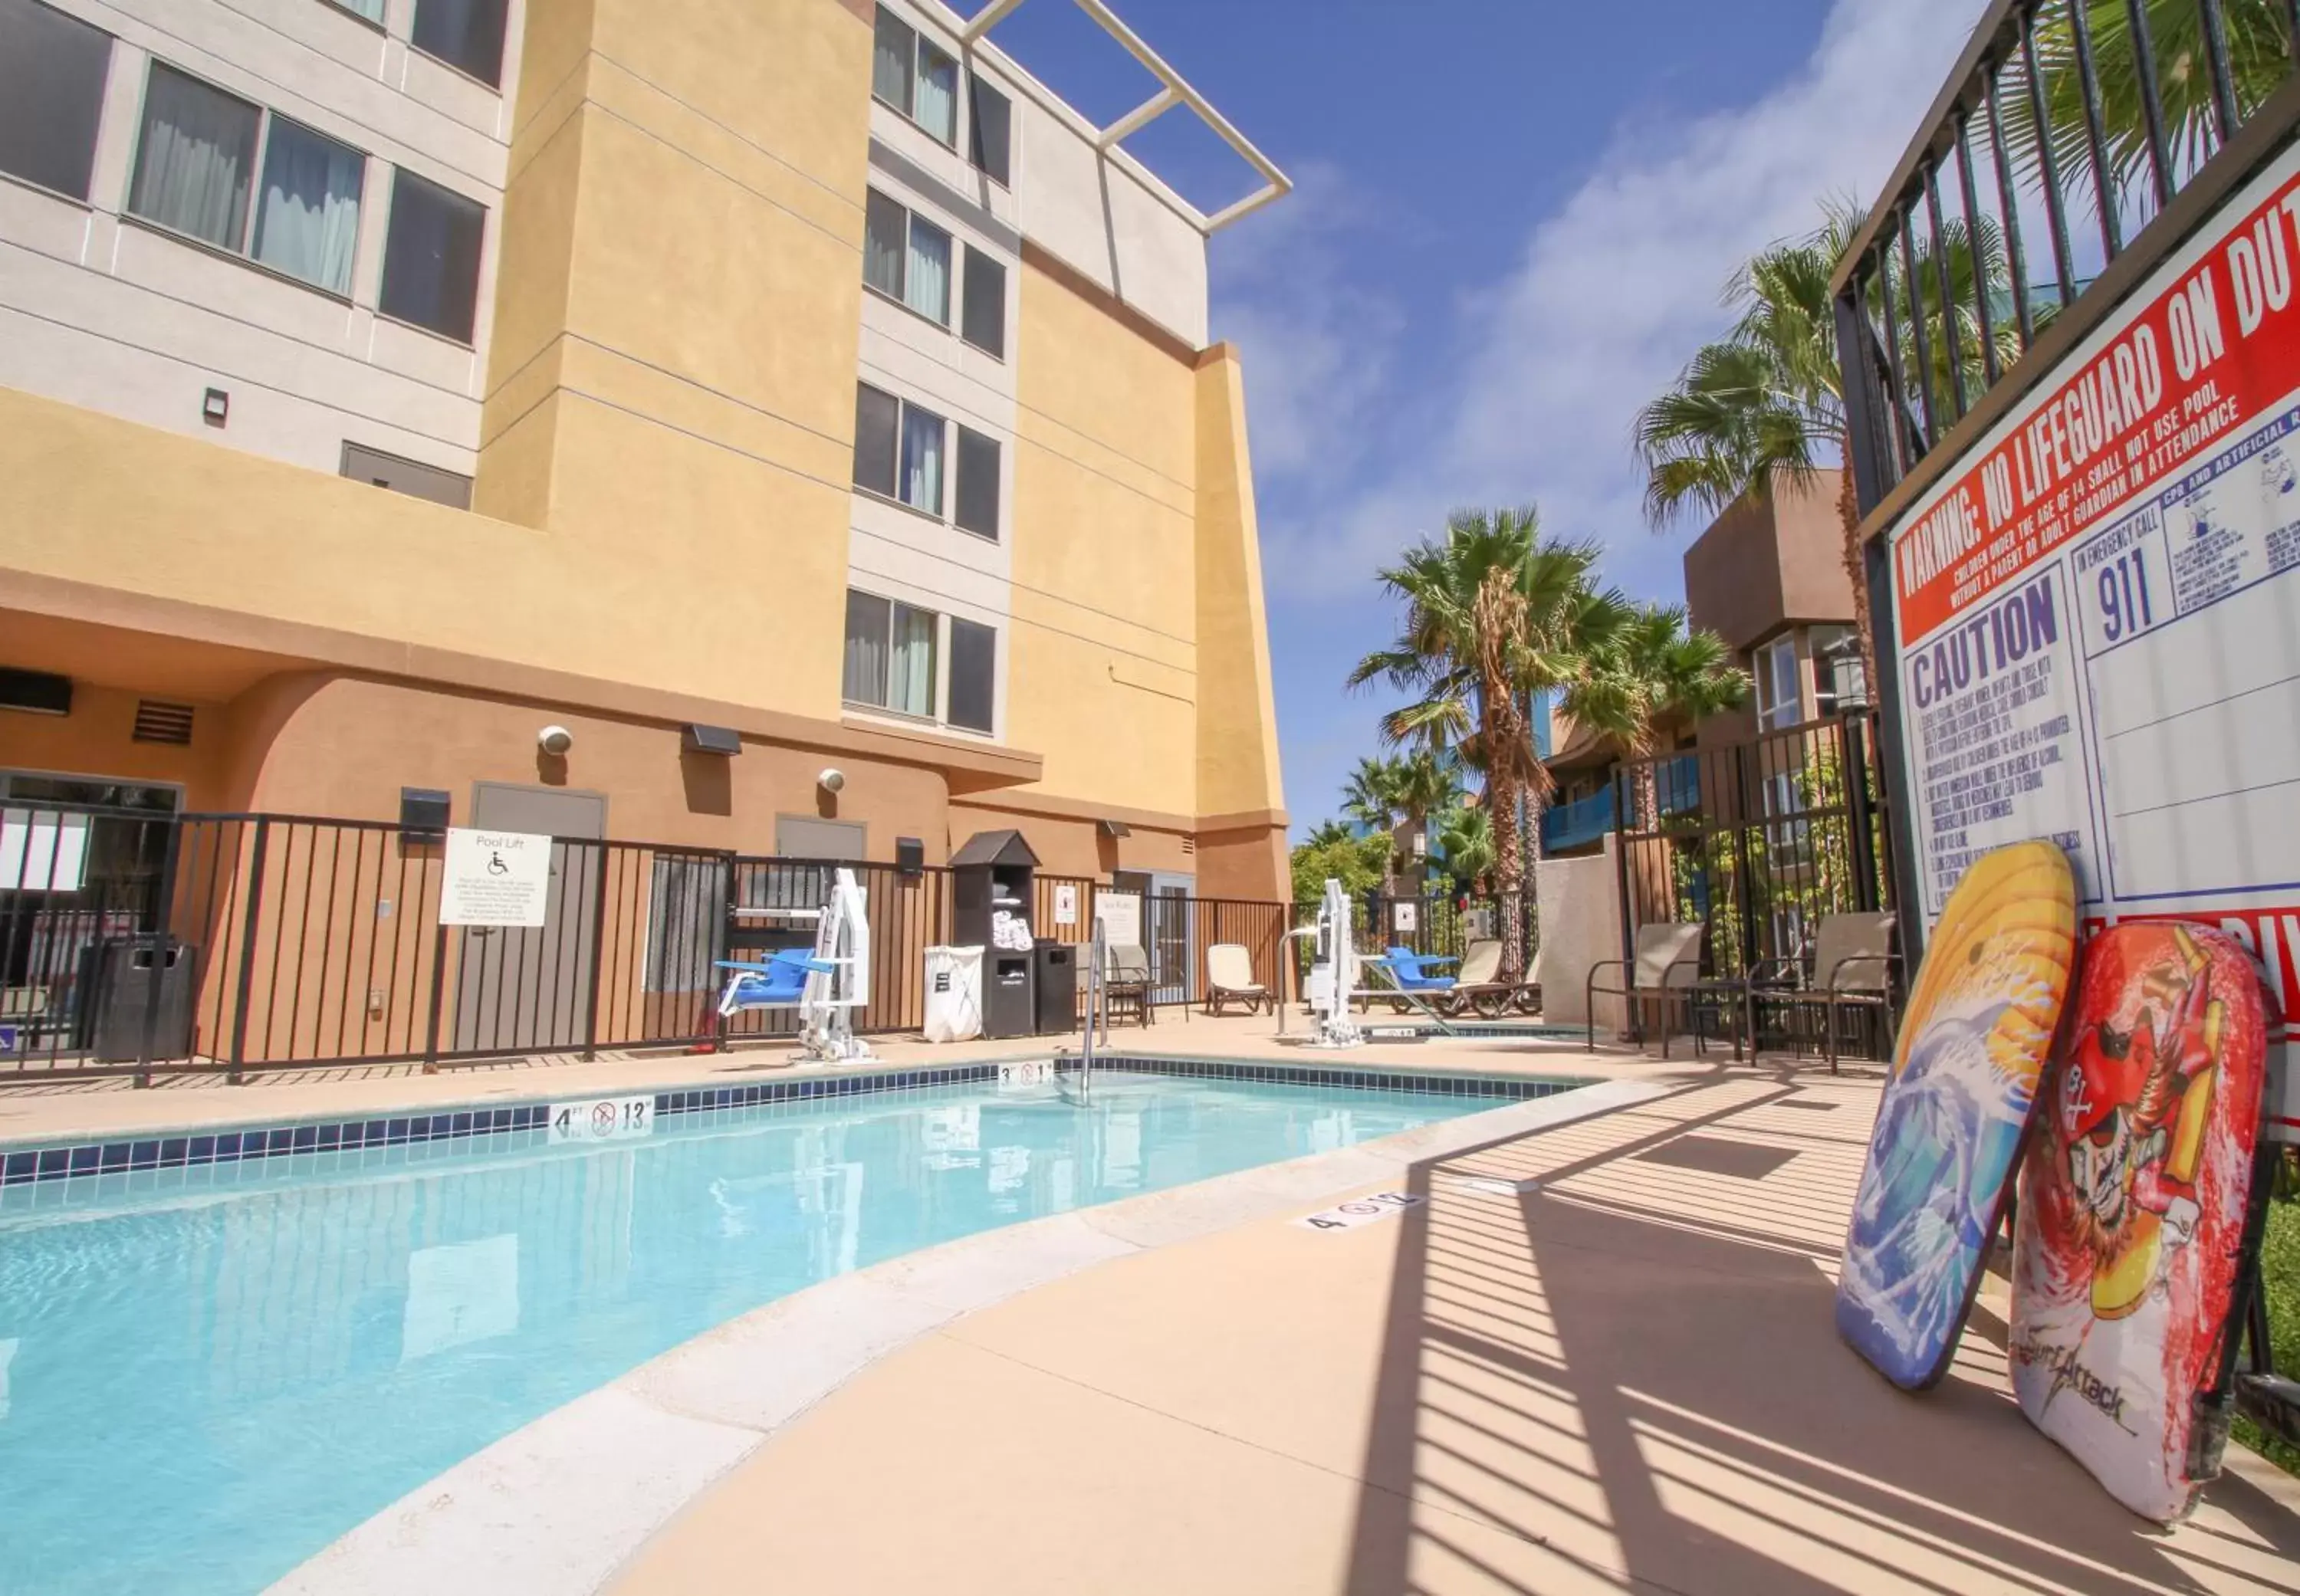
x,y
1237,717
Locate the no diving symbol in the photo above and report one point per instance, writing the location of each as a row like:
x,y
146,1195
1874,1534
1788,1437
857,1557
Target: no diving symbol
x,y
602,1119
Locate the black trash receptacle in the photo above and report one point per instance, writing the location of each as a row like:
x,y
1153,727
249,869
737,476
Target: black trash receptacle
x,y
1055,966
124,997
1008,1010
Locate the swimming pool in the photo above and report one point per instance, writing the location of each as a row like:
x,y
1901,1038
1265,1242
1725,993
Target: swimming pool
x,y
211,1371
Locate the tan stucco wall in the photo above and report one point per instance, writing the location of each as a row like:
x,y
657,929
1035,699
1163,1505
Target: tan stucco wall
x,y
1237,717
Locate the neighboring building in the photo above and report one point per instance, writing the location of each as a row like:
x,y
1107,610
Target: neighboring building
x,y
797,369
1769,577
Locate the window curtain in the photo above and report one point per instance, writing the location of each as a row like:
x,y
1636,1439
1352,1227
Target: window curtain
x,y
195,161
307,224
372,10
883,221
890,62
865,677
923,461
937,107
927,291
909,682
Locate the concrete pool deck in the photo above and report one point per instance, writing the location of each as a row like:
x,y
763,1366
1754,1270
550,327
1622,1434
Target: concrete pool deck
x,y
1598,1357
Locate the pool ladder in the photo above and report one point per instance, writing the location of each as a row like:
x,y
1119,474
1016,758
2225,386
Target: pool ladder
x,y
1096,1002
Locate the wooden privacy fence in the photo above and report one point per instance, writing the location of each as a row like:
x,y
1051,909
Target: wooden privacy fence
x,y
133,942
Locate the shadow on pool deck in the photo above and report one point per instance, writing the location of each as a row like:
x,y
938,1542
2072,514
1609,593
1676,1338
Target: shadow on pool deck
x,y
1634,1372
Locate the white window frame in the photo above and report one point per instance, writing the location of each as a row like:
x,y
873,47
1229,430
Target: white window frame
x,y
1770,705
919,43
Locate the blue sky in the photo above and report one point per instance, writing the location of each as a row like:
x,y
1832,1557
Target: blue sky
x,y
1511,224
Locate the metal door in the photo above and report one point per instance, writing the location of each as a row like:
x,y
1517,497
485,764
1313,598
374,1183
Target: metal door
x,y
522,989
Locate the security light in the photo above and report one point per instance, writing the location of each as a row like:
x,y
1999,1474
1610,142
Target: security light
x,y
555,739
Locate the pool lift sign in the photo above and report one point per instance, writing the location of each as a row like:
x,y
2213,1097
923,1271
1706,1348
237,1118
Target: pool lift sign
x,y
2098,614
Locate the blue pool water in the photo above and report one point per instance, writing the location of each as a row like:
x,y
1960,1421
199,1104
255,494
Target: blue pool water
x,y
206,1382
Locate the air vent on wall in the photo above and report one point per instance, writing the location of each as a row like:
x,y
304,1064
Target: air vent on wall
x,y
157,722
1189,844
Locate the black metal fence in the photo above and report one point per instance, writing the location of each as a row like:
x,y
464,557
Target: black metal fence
x,y
1757,840
134,942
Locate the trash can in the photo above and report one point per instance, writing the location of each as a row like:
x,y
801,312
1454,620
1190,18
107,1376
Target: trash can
x,y
124,995
1054,968
1007,1008
954,994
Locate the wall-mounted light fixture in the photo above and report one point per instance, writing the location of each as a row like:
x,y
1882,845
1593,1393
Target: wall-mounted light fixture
x,y
831,780
215,407
555,739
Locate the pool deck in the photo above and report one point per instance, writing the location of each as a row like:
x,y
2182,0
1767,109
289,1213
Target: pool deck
x,y
1598,1357
44,1110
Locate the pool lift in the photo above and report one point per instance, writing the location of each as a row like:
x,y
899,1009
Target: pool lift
x,y
1333,970
826,986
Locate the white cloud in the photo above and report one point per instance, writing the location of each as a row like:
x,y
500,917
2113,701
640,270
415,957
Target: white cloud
x,y
1612,291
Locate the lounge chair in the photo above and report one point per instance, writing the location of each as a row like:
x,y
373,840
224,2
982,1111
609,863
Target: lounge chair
x,y
1126,979
1229,973
1666,969
1480,986
1854,965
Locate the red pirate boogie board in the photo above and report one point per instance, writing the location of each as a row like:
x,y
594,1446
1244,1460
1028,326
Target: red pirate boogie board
x,y
2133,1206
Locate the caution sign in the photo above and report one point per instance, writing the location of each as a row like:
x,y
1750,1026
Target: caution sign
x,y
495,877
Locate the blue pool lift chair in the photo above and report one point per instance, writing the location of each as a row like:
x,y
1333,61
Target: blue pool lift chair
x,y
1410,973
778,983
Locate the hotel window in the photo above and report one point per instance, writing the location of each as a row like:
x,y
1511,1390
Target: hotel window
x,y
990,130
915,77
468,34
195,166
890,655
898,450
52,71
907,257
369,10
1780,698
985,300
974,674
978,483
431,257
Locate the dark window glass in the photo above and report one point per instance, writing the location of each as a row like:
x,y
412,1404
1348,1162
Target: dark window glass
x,y
52,70
985,318
876,421
431,257
978,482
894,52
196,161
463,33
992,130
863,679
974,674
884,224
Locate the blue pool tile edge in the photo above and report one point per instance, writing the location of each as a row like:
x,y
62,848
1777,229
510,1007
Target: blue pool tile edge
x,y
182,1150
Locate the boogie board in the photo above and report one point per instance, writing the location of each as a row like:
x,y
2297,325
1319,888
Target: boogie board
x,y
2133,1210
1978,1027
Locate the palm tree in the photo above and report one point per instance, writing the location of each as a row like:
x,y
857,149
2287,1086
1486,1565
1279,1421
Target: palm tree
x,y
1369,797
1326,833
2259,54
1658,674
1466,841
1493,614
1426,782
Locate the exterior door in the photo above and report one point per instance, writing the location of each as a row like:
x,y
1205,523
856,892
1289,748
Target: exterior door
x,y
522,989
1171,911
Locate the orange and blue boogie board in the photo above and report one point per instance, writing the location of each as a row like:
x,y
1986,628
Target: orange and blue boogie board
x,y
1973,1045
2134,1207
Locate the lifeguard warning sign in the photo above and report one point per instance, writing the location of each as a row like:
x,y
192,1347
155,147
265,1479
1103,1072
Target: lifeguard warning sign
x,y
2099,615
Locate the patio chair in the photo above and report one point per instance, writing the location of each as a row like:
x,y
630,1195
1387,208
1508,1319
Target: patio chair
x,y
1853,965
1229,973
1666,969
1126,979
1410,972
1480,986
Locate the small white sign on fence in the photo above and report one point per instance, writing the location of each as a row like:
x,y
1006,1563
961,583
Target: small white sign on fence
x,y
43,850
602,1120
495,877
1066,903
1121,914
1403,917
